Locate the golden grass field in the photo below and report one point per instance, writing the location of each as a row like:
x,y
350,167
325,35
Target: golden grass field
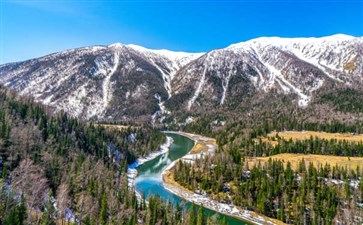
x,y
198,147
300,135
317,160
303,135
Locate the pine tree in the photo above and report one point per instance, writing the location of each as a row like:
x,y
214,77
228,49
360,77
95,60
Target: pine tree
x,y
22,213
361,188
87,220
224,221
3,172
200,220
192,219
347,189
47,218
103,209
11,218
281,214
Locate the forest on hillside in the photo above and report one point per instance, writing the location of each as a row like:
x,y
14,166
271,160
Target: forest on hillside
x,y
59,170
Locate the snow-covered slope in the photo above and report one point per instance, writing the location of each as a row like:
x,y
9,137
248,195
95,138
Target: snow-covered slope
x,y
167,62
101,82
298,66
121,81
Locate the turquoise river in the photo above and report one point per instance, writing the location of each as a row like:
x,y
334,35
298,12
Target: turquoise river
x,y
149,180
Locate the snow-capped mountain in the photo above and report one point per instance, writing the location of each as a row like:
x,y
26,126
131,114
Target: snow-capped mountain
x,y
123,81
289,65
99,82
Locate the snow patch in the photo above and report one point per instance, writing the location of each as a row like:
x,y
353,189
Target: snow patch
x,y
304,99
107,86
225,84
200,85
162,110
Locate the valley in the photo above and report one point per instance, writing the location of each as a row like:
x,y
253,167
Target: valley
x,y
266,131
204,147
151,177
181,112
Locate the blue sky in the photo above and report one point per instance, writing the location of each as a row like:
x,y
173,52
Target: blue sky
x,y
35,28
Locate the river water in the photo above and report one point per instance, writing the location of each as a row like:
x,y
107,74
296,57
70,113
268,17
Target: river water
x,y
149,180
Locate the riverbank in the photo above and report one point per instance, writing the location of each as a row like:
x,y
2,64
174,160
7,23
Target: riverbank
x,y
132,171
206,146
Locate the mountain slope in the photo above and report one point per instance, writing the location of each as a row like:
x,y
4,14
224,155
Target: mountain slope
x,y
297,66
98,82
122,82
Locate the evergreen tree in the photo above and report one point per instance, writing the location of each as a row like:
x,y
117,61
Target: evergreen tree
x,y
48,212
103,209
22,212
192,219
200,219
3,172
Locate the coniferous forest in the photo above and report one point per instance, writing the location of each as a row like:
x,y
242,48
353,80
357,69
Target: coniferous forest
x,y
56,169
304,194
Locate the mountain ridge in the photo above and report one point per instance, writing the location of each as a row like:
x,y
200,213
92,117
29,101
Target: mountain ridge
x,y
180,51
118,82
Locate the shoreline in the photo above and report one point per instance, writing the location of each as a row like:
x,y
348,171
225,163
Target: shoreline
x,y
132,168
207,146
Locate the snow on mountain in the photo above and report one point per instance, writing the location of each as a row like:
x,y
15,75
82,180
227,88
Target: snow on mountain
x,y
121,81
297,66
330,54
167,62
100,82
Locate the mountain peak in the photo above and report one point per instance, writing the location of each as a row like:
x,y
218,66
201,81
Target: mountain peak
x,y
281,41
116,45
163,52
342,36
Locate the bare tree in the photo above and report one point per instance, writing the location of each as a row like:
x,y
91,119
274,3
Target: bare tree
x,y
63,200
28,179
